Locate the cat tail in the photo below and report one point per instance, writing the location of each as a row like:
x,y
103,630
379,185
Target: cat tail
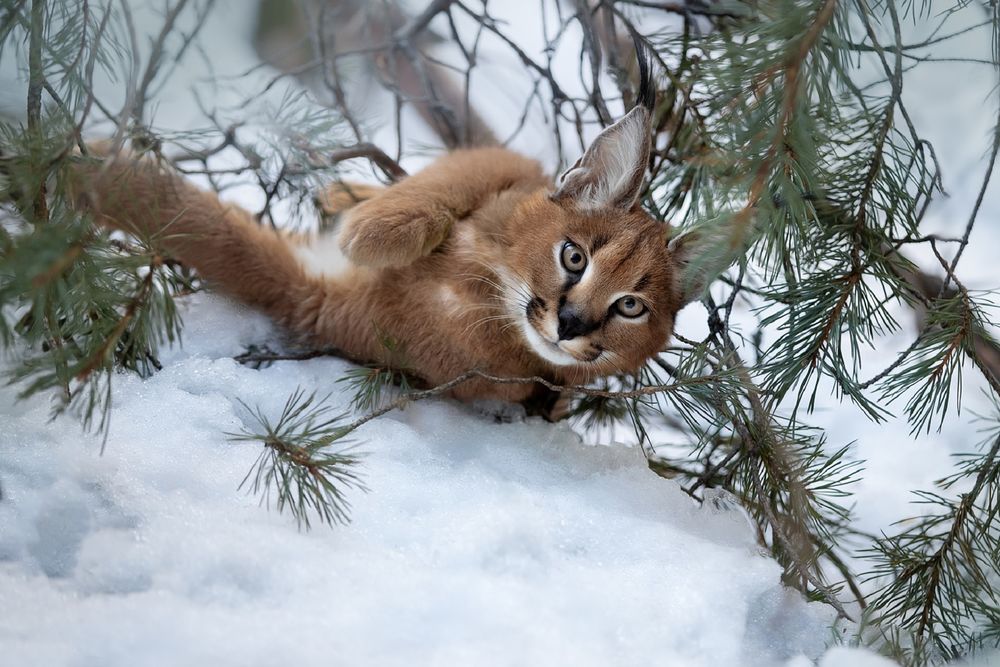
x,y
223,242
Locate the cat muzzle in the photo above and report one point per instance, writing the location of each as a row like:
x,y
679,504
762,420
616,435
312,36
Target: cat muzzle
x,y
572,325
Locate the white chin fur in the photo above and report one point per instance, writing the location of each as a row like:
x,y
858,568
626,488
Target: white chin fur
x,y
516,294
545,349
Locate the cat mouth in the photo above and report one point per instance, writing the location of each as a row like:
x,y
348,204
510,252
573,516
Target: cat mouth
x,y
540,344
592,356
551,351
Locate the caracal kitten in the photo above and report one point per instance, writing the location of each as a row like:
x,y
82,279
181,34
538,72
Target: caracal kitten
x,y
479,261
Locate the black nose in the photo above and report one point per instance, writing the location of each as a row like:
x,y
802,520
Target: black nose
x,y
571,324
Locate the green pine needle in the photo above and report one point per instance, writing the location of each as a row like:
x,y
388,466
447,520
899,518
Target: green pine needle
x,y
369,385
297,465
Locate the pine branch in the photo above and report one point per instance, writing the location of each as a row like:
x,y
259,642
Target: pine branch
x,y
691,8
296,463
939,579
369,384
100,355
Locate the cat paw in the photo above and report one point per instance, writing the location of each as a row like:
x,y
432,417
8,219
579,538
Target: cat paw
x,y
374,236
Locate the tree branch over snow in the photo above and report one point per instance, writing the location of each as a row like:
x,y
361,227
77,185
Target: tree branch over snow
x,y
781,130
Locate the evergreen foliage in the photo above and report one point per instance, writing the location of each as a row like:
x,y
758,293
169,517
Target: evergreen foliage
x,y
781,134
296,463
818,178
84,304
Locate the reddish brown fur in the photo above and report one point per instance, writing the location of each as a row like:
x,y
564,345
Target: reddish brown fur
x,y
430,256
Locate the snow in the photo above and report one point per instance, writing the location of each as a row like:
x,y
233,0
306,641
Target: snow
x,y
842,656
478,543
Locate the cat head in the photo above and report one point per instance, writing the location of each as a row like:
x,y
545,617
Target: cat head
x,y
592,281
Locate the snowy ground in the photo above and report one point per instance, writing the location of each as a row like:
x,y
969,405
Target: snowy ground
x,y
479,543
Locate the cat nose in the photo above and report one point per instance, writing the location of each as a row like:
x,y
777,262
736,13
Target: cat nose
x,y
571,324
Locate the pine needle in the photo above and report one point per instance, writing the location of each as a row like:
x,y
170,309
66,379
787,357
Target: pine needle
x,y
298,465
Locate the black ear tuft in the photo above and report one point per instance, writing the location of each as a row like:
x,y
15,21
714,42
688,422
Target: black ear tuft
x,y
647,89
610,174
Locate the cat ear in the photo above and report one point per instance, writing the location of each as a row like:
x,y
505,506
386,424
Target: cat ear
x,y
699,257
611,172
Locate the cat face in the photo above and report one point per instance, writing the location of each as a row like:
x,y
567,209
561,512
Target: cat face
x,y
592,281
596,290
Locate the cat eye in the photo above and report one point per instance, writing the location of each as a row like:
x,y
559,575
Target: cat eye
x,y
573,259
629,306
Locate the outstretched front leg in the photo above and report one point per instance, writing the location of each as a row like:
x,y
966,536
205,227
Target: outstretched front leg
x,y
410,219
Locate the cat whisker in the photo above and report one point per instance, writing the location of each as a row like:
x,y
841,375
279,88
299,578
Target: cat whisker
x,y
484,320
474,307
512,323
468,277
501,288
611,357
520,285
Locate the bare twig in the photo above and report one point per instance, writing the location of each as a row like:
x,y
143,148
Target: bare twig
x,y
419,22
36,82
690,8
389,166
155,59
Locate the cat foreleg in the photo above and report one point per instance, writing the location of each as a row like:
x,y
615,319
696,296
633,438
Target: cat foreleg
x,y
413,217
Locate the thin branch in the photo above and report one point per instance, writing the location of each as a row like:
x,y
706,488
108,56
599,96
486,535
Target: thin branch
x,y
155,59
388,166
36,83
690,8
419,22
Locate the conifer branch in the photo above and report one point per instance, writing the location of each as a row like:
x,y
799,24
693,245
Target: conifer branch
x,y
100,356
296,463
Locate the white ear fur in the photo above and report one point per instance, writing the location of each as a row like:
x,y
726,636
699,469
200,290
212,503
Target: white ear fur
x,y
611,172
